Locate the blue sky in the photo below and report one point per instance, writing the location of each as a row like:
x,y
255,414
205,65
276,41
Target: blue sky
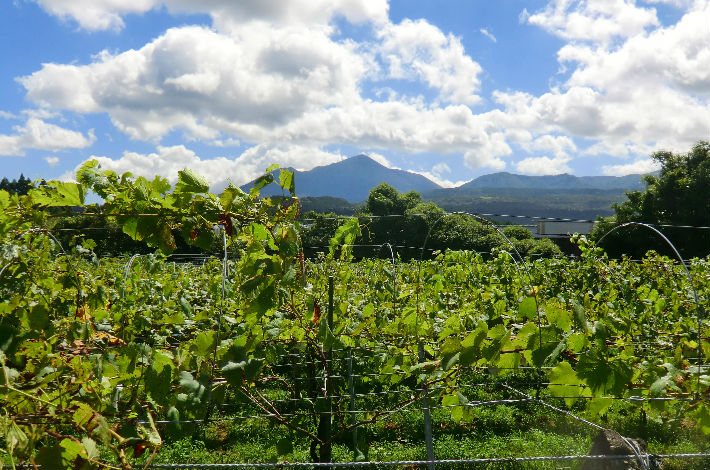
x,y
451,89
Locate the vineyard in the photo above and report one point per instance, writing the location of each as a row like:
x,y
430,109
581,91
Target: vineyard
x,y
118,362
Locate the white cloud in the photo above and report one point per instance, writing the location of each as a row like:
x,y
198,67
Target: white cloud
x,y
51,160
676,58
225,142
108,14
560,146
646,94
487,34
524,16
438,179
675,3
277,76
440,168
167,161
543,166
436,175
641,166
381,159
37,134
598,20
418,50
6,115
195,79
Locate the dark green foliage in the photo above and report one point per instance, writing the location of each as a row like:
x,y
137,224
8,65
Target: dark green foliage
x,y
386,200
410,225
518,232
679,195
327,204
19,186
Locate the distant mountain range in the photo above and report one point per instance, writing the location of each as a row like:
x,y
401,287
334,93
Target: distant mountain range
x,y
563,181
351,179
341,187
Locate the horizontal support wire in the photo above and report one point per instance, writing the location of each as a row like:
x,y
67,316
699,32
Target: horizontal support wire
x,y
401,463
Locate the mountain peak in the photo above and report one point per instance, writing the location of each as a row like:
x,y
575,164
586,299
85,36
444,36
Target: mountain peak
x,y
352,179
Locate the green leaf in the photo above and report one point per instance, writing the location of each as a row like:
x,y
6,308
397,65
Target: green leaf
x,y
565,383
576,342
528,308
91,448
703,417
82,415
158,382
558,317
150,433
191,182
580,319
71,194
238,372
325,335
287,181
604,375
659,386
261,182
15,438
191,387
450,353
231,196
598,406
51,457
204,343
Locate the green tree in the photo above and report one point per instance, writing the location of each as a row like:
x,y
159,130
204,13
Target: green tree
x,y
19,186
384,199
678,196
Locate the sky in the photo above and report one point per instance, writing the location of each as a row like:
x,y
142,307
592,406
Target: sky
x,y
450,89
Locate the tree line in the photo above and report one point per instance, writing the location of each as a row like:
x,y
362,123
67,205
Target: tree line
x,y
416,228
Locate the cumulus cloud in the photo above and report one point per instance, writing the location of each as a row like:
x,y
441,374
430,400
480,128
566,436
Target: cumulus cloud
x,y
168,160
599,20
648,93
437,175
51,160
41,135
277,77
544,165
381,159
108,14
286,86
641,166
418,50
195,79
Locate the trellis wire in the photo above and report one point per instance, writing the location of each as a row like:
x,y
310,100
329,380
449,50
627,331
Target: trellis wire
x,y
400,463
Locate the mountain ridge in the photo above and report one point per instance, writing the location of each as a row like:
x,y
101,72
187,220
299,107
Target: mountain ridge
x,y
352,178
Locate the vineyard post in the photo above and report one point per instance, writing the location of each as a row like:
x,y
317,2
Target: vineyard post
x,y
351,387
326,420
427,417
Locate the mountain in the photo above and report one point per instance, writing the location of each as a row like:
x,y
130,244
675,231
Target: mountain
x,y
563,181
351,179
581,203
340,186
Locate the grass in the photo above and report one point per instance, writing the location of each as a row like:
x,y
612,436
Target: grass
x,y
493,431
